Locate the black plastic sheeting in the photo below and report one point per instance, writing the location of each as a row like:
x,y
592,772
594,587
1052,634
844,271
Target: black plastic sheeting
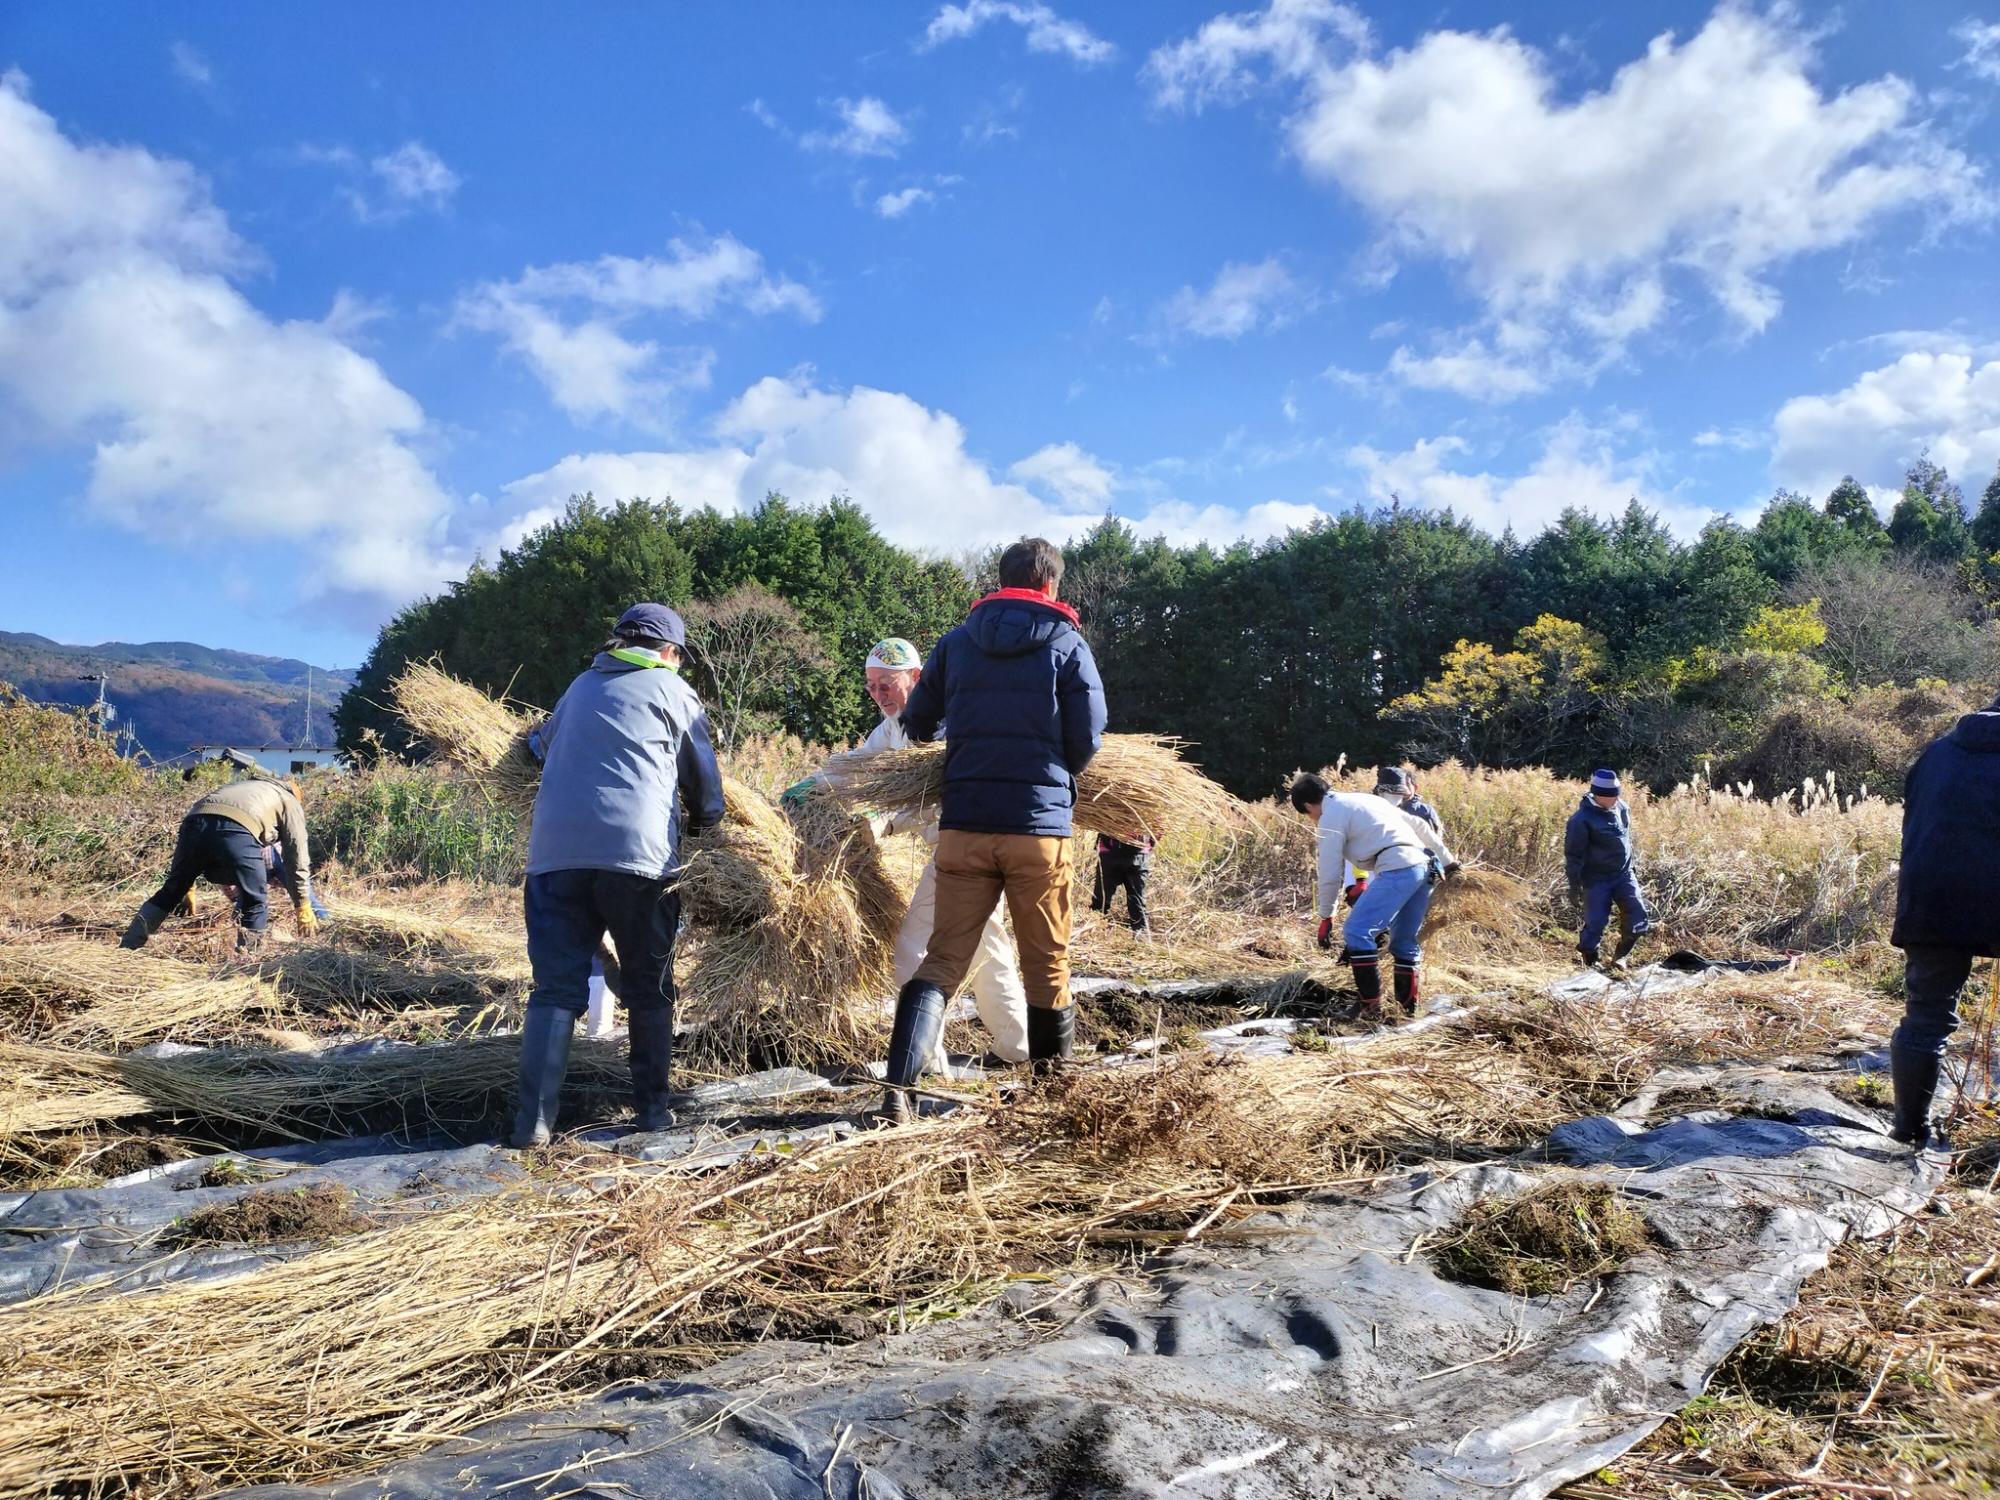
x,y
1313,1353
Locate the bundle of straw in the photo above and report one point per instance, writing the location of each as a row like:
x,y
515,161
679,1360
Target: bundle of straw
x,y
79,990
1136,786
301,1095
471,730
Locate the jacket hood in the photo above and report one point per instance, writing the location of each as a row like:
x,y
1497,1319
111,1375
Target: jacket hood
x,y
1013,627
1979,732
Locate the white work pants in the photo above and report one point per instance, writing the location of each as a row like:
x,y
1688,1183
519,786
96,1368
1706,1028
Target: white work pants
x,y
995,978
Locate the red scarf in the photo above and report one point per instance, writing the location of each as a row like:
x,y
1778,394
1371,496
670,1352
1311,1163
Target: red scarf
x,y
1032,596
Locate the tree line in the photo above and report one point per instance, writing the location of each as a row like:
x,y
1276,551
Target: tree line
x,y
1384,633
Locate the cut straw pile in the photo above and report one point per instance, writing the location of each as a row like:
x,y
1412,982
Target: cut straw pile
x,y
1136,785
79,990
303,1095
385,1343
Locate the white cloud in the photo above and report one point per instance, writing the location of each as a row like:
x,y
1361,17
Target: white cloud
x,y
905,464
1578,467
589,365
121,335
1714,159
1944,402
868,127
1244,298
1046,31
1473,371
1074,475
895,205
190,66
392,186
1741,439
415,176
1186,525
1982,47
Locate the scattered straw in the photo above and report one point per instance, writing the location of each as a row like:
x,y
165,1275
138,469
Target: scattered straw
x,y
322,1211
81,990
1544,1241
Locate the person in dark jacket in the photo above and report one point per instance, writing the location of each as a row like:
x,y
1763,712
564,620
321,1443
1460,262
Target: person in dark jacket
x,y
1020,689
1947,913
1598,859
1123,867
624,753
1400,788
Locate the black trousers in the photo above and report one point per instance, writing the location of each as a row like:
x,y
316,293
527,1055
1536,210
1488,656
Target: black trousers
x,y
1115,875
568,914
221,850
1932,981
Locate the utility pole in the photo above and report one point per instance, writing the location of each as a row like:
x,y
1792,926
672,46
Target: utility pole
x,y
308,739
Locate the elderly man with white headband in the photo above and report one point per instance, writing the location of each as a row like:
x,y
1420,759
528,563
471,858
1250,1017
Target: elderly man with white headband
x,y
893,668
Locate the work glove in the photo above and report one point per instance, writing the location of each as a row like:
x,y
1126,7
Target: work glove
x,y
1325,938
308,923
187,907
1576,898
795,795
1354,891
1452,869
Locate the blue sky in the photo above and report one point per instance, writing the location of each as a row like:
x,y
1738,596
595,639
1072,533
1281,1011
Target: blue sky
x,y
303,307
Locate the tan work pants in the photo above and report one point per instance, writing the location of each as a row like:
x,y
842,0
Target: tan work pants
x,y
995,979
974,872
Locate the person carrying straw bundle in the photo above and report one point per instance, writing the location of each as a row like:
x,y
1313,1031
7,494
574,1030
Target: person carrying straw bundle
x,y
1019,687
624,754
1403,858
223,838
893,669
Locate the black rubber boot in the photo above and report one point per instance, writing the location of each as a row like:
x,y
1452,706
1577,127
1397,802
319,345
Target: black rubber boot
x,y
651,1034
1051,1036
249,940
143,926
1626,943
919,1024
1589,956
1408,996
1368,985
545,1039
1915,1077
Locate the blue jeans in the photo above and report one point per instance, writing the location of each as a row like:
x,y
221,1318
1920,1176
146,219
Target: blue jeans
x,y
226,853
1598,898
568,914
1397,900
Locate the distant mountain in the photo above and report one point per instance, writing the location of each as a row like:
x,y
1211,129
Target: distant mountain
x,y
175,694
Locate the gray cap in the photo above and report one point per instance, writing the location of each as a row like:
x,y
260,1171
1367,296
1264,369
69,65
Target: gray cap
x,y
1392,779
653,623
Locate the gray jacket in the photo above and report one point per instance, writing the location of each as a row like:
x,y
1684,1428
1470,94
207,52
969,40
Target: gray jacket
x,y
626,749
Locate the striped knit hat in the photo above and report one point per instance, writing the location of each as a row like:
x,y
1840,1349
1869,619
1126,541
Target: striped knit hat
x,y
1603,780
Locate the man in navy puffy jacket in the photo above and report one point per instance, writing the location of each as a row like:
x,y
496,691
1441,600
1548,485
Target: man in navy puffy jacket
x,y
1019,688
1946,913
1597,858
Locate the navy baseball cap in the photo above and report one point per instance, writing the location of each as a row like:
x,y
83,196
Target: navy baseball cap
x,y
651,622
1391,779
